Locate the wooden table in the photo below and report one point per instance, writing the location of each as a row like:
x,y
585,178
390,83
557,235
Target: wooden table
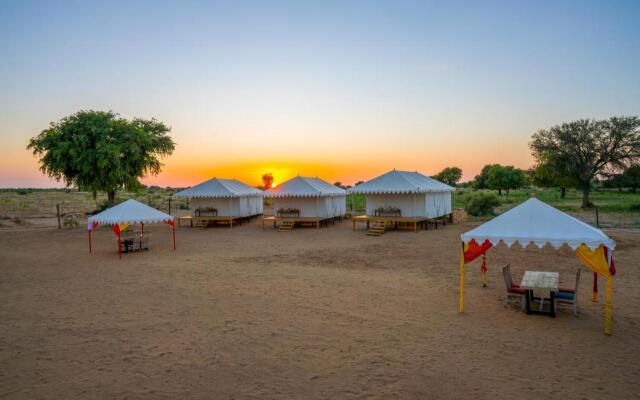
x,y
541,281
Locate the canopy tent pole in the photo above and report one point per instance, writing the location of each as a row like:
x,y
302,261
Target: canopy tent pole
x,y
608,308
142,227
173,232
89,240
461,306
119,245
594,293
483,269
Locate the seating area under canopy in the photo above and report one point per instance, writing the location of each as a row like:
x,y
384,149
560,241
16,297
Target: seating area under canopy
x,y
128,213
539,223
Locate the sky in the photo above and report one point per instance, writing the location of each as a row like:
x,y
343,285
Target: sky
x,y
341,90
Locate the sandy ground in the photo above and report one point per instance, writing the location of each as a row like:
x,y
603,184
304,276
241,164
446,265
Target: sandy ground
x,y
244,313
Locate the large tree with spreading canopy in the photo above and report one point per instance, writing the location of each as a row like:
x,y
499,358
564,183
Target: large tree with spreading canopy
x,y
588,148
98,151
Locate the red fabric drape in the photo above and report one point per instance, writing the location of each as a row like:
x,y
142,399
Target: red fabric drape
x,y
612,265
473,250
116,230
173,232
612,271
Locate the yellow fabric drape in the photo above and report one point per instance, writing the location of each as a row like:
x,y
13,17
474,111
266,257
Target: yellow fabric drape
x,y
608,308
123,227
597,261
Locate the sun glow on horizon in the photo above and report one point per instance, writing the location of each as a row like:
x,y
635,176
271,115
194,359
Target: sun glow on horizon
x,y
324,91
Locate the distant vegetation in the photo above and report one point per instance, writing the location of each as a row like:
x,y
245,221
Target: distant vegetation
x,y
98,151
450,175
498,177
584,150
480,204
579,165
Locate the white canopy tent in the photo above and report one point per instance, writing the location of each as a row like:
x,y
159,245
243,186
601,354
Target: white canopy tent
x,y
536,222
313,197
413,193
229,197
129,212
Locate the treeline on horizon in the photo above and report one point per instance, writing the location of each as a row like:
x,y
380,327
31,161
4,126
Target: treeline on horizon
x,y
98,151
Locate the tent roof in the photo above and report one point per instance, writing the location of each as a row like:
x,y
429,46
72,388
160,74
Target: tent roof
x,y
537,222
129,212
401,182
219,188
304,187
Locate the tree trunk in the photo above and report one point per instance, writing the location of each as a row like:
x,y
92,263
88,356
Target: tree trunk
x,y
563,192
585,195
499,192
111,198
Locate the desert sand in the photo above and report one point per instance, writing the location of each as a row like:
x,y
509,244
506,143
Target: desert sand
x,y
246,313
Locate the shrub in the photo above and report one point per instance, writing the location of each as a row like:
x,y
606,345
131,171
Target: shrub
x,y
71,221
480,204
22,192
635,207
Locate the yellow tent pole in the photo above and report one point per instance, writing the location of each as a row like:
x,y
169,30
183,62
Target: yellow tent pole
x,y
461,306
608,309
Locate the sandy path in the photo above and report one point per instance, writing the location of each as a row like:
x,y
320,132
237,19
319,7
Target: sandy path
x,y
312,314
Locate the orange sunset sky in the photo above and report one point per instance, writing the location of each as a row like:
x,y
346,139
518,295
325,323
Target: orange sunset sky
x,y
343,91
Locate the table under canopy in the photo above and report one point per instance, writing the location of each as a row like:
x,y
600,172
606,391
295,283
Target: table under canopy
x,y
128,213
536,222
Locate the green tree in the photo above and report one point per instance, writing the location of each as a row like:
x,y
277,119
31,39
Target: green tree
x,y
450,175
480,181
505,178
631,177
99,151
614,181
589,148
553,172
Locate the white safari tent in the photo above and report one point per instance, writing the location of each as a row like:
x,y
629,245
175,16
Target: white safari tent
x,y
126,214
222,200
402,196
541,224
303,199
